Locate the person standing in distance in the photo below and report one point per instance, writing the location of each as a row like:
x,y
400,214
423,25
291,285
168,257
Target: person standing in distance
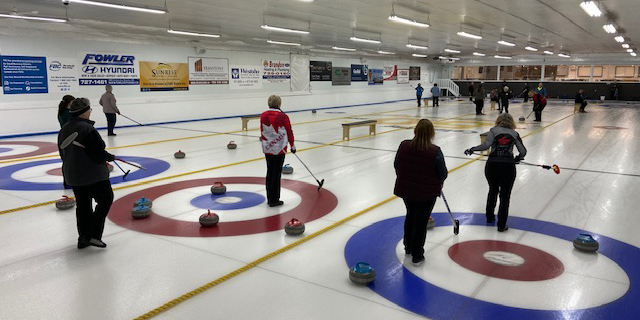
x,y
108,103
539,101
275,133
435,93
63,110
85,170
580,98
478,97
505,95
471,89
419,91
525,92
421,171
500,169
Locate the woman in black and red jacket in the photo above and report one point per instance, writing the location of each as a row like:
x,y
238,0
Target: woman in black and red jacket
x,y
421,171
275,133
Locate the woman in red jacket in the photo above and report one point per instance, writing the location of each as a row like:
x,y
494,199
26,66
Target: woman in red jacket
x,y
275,133
421,171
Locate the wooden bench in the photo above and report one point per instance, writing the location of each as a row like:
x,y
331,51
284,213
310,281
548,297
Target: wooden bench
x,y
426,102
347,126
483,138
245,120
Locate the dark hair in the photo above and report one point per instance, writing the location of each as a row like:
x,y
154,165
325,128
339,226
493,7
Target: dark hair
x,y
64,104
435,84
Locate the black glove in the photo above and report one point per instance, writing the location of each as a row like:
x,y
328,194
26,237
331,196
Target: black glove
x,y
517,159
468,152
110,157
293,149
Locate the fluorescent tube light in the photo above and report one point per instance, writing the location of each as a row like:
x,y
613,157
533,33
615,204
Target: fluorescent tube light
x,y
419,55
626,46
609,28
284,43
563,55
531,48
451,50
279,29
413,46
505,43
16,16
619,38
118,6
343,49
448,58
195,34
591,8
633,54
469,35
629,50
501,57
385,52
479,54
365,40
548,52
408,21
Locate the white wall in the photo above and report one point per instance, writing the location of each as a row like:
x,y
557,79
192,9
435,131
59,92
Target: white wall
x,y
33,113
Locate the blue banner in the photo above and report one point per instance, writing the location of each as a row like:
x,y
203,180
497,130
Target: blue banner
x,y
359,72
22,75
376,77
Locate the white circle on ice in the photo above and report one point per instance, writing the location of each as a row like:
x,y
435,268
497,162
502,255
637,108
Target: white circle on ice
x,y
504,258
228,200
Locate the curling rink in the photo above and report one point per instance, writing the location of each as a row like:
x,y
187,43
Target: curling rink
x,y
248,268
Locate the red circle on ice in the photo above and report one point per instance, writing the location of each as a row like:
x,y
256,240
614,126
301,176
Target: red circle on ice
x,y
314,204
506,260
43,148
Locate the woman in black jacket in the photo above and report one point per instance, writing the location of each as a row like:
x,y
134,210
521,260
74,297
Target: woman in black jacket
x,y
421,171
63,109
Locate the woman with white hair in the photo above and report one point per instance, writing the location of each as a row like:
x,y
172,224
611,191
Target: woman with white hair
x,y
500,170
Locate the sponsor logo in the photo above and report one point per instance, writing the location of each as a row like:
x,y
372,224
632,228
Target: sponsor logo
x,y
198,65
108,59
235,73
90,69
271,64
163,69
55,66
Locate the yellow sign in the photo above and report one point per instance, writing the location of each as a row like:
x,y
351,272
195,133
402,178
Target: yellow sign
x,y
161,76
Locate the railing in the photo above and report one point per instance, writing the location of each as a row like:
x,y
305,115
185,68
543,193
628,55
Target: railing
x,y
448,84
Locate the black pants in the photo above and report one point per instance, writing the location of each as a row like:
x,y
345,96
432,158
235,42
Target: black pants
x,y
111,122
415,226
436,101
582,106
501,177
419,96
274,172
90,222
537,110
505,106
479,105
526,97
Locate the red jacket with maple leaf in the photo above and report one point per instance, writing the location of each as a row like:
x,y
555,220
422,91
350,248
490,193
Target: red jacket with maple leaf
x,y
275,132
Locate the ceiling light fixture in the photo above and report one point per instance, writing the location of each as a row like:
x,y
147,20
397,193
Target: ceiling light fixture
x,y
343,49
16,16
479,54
451,50
365,40
385,52
591,8
412,22
195,34
619,38
469,35
609,28
448,58
506,43
497,56
284,43
118,6
531,48
279,29
626,46
629,50
564,55
548,52
633,54
419,55
413,46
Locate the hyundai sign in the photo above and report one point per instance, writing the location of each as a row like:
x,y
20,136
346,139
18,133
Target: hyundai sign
x,y
108,68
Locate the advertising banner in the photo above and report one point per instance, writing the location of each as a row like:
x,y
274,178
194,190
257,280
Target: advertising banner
x,y
63,75
208,71
359,72
276,71
376,77
341,76
160,76
246,77
99,69
414,73
403,76
320,70
390,72
22,75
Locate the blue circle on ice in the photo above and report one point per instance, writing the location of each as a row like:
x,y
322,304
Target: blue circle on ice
x,y
2,150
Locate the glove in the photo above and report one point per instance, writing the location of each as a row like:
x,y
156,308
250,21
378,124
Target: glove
x,y
293,149
517,159
468,152
110,157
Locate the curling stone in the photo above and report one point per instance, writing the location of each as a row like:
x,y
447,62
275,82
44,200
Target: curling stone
x,y
179,155
65,203
294,227
140,212
287,169
232,145
218,188
209,219
522,119
586,242
110,167
143,202
362,273
313,111
431,224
